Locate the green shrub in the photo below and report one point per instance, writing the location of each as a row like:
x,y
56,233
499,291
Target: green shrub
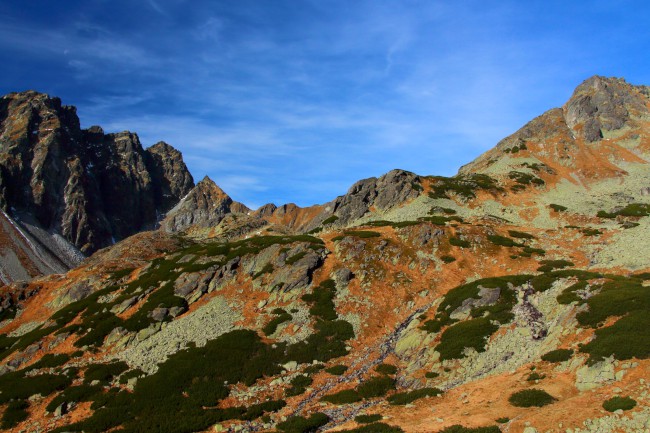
x,y
642,275
346,396
448,259
267,269
631,210
378,427
136,372
619,403
535,376
627,338
367,419
16,386
300,424
616,298
440,220
322,300
402,398
458,242
529,251
570,295
364,234
531,397
520,235
50,361
299,385
15,413
460,429
550,265
431,374
544,282
104,372
337,370
314,368
376,387
189,380
471,333
503,241
281,317
74,393
293,259
464,186
557,207
525,178
501,311
118,275
558,355
603,214
386,369
330,219
590,232
502,420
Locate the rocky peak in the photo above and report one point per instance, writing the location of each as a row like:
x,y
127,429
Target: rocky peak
x,y
90,187
568,141
390,190
602,103
204,206
172,179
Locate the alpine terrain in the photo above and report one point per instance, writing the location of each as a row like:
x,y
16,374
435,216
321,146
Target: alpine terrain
x,y
512,297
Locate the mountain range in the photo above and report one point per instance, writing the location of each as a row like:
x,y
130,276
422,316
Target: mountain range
x,y
512,297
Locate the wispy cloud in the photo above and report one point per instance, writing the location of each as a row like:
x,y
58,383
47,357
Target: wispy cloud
x,y
155,6
294,101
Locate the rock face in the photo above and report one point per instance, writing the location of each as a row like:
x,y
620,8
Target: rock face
x,y
601,103
472,288
571,140
205,206
92,188
391,189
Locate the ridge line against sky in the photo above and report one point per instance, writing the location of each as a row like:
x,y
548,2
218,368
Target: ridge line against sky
x,y
294,101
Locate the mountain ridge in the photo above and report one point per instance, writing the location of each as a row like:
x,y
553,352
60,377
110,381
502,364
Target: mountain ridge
x,y
512,297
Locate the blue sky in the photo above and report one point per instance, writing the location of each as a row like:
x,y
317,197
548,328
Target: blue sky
x,y
293,101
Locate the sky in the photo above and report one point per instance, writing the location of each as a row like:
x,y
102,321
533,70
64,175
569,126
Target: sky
x,y
295,100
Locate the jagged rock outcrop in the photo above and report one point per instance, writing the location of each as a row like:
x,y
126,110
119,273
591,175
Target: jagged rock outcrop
x,y
205,206
601,103
92,188
390,190
569,141
171,178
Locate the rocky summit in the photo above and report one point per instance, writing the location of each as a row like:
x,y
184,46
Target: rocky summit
x,y
68,191
512,297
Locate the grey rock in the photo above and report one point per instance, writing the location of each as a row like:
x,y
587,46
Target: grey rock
x,y
601,103
390,190
61,409
342,276
186,283
79,292
205,206
177,311
487,296
125,305
90,187
159,314
299,274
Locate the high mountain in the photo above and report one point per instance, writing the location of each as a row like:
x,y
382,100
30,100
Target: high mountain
x,y
512,297
64,189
